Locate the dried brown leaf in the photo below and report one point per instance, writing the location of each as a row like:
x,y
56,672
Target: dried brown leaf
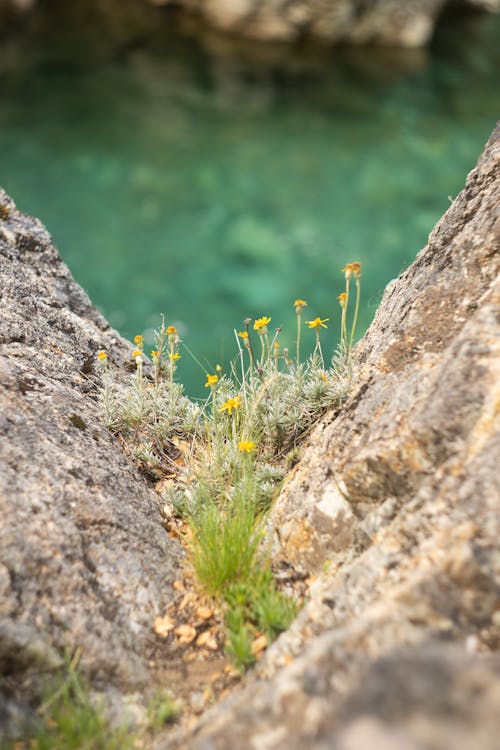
x,y
163,625
185,633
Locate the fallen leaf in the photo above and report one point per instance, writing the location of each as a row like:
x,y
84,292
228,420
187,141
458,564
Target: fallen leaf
x,y
206,639
259,644
185,633
163,625
204,613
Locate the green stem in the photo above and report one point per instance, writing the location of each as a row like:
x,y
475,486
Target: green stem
x,y
171,362
263,353
356,310
298,337
343,327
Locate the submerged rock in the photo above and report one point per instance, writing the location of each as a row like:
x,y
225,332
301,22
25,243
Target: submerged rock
x,y
84,561
405,23
395,509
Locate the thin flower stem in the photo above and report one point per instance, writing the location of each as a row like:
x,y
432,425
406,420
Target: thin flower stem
x,y
298,337
343,327
250,347
356,310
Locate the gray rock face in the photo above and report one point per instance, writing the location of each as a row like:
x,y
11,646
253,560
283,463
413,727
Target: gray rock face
x,y
395,507
406,23
84,561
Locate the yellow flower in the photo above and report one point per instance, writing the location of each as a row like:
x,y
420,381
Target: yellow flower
x,y
211,380
172,331
260,325
231,403
175,356
299,305
136,353
102,356
246,446
352,269
244,335
342,298
138,339
155,354
317,323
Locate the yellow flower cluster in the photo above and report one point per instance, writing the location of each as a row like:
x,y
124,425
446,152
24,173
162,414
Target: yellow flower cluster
x,y
352,269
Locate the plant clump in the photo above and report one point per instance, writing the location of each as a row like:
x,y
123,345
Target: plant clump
x,y
225,457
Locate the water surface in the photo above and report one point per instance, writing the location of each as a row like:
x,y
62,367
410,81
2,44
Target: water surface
x,y
212,182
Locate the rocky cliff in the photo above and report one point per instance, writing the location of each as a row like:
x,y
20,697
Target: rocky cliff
x,y
84,560
406,23
393,514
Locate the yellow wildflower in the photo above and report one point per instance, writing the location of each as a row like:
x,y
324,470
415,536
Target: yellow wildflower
x,y
211,380
342,298
155,354
299,305
102,356
230,404
352,269
317,323
136,353
246,340
172,331
138,339
260,325
173,357
246,446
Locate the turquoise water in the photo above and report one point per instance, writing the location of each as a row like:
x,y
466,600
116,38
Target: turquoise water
x,y
215,185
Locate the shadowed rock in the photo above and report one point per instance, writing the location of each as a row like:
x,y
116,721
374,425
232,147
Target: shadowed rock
x,y
405,23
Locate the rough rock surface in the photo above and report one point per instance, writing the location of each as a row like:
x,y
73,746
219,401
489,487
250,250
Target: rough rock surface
x,y
407,23
84,560
395,508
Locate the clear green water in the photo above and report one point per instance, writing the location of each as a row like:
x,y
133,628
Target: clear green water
x,y
217,185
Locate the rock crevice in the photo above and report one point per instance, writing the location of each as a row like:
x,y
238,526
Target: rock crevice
x,y
393,513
